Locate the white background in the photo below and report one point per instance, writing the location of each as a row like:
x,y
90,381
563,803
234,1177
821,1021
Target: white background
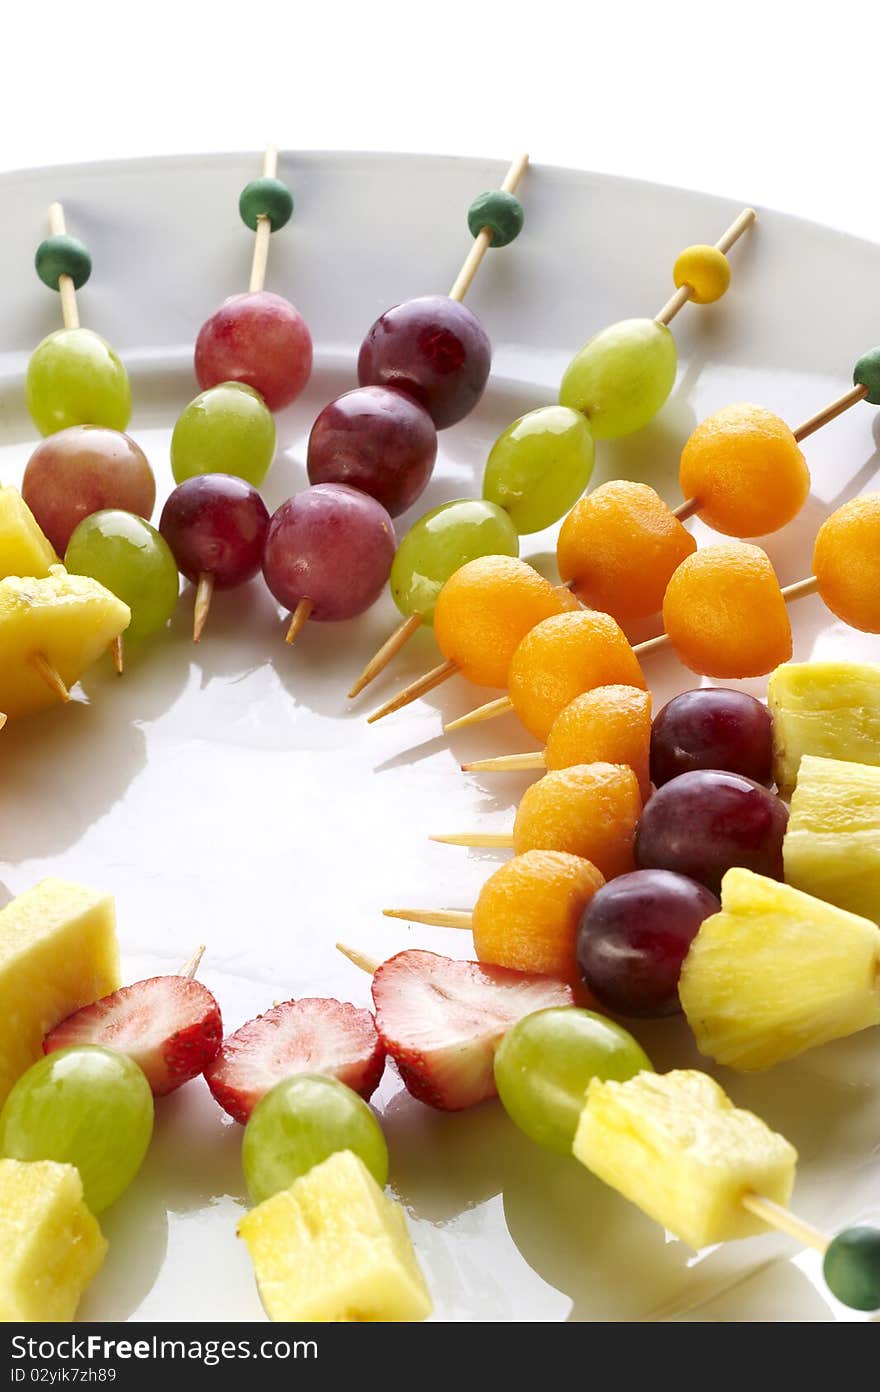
x,y
774,103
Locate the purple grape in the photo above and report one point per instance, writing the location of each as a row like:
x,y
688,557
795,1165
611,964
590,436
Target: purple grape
x,y
378,440
712,728
704,822
216,525
634,936
331,545
434,349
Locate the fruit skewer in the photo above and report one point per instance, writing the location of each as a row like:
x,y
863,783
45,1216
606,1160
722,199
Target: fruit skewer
x,y
422,366
253,357
733,579
542,463
74,378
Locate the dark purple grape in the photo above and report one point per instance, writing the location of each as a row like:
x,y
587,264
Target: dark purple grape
x,y
434,349
216,525
331,545
634,936
712,728
378,440
704,822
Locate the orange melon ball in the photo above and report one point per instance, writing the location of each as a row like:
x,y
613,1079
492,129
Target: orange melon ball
x,y
619,547
725,613
609,723
564,656
528,913
484,611
589,810
745,469
846,562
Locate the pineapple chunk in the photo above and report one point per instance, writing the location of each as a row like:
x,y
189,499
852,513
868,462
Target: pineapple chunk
x,y
777,972
69,619
51,1244
332,1248
24,550
58,952
676,1145
832,845
827,708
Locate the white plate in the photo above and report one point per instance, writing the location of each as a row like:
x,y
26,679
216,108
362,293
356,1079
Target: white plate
x,y
230,794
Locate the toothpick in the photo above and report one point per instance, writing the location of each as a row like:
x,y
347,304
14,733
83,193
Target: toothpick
x,y
202,605
495,840
264,228
190,967
298,619
53,679
677,302
483,239
360,959
439,918
507,763
117,652
783,1220
66,288
418,688
388,651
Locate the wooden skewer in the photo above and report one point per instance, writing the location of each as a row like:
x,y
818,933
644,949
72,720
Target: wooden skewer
x,y
784,1221
360,959
264,229
438,918
66,288
483,239
677,302
463,281
202,605
298,619
2,720
117,652
503,704
190,967
507,763
418,688
495,840
53,679
388,651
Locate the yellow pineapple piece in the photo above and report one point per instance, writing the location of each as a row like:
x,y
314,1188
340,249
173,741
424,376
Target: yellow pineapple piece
x,y
832,845
677,1147
24,550
332,1248
69,619
58,952
777,972
51,1244
831,709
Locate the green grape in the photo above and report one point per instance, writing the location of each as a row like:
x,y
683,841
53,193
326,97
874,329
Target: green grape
x,y
440,543
301,1122
622,377
75,378
129,557
226,430
83,1106
540,466
544,1065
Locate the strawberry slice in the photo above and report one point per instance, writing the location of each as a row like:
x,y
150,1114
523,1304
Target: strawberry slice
x,y
169,1025
300,1036
441,1020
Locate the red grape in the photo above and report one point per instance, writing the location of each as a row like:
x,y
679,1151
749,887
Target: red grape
x,y
216,525
82,470
704,822
712,728
377,440
634,936
332,545
259,339
433,348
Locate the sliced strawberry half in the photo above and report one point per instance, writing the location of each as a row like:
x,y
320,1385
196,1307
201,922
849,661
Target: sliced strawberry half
x,y
169,1025
441,1020
300,1036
